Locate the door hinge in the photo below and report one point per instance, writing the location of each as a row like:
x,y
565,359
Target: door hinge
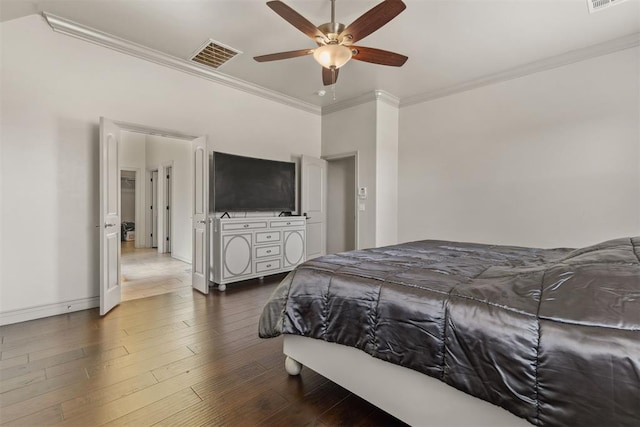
x,y
152,207
167,239
167,176
151,234
167,207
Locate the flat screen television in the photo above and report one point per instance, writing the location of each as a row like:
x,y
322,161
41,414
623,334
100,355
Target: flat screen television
x,y
249,184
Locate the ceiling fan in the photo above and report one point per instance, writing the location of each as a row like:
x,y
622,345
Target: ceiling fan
x,y
336,42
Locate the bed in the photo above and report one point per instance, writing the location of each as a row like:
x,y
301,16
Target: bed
x,y
550,335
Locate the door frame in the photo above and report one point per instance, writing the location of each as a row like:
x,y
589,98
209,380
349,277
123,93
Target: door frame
x,y
147,130
167,217
355,155
148,202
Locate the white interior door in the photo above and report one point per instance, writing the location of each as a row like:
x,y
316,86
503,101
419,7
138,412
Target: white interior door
x,y
314,204
200,219
110,291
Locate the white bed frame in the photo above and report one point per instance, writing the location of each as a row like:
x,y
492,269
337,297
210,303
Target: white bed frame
x,y
408,395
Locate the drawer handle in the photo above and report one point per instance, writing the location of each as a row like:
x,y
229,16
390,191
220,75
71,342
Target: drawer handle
x,y
288,223
269,236
246,225
268,265
269,251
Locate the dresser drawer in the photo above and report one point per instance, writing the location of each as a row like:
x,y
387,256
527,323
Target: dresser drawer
x,y
265,237
288,223
267,251
248,225
270,265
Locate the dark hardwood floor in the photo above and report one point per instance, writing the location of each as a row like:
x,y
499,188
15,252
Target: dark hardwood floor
x,y
174,359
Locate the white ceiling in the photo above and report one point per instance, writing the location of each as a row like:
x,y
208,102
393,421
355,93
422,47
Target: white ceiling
x,y
449,42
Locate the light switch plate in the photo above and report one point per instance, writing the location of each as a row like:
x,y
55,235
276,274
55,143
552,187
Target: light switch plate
x,y
362,192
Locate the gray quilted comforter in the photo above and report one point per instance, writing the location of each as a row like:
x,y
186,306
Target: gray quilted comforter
x,y
551,335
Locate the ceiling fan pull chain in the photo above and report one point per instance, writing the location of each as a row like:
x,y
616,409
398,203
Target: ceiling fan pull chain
x,y
333,86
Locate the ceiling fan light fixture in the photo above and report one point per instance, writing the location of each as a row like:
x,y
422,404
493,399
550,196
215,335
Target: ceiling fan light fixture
x,y
332,55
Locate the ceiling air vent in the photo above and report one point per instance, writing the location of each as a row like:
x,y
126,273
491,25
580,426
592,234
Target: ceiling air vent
x,y
214,54
597,5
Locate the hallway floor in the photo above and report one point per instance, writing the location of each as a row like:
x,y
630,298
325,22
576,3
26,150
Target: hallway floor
x,y
145,272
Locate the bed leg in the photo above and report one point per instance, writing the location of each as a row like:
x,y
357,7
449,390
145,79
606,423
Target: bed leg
x,y
293,367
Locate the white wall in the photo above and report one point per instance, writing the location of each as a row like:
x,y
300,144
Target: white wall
x,y
349,130
387,117
371,129
549,159
162,152
51,104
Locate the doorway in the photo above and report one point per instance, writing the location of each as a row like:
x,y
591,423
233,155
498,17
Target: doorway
x,y
128,196
342,214
154,267
191,201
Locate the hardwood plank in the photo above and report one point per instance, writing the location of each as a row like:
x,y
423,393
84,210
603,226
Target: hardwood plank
x,y
120,407
179,357
348,411
41,349
252,411
91,358
129,340
159,331
307,409
233,378
8,384
184,337
37,365
104,378
135,362
47,326
158,411
99,397
355,411
43,417
14,361
40,387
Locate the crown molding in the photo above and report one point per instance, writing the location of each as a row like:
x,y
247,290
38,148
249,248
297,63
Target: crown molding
x,y
376,95
611,46
74,29
387,98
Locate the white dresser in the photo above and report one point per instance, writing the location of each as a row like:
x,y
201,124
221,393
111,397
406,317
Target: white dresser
x,y
244,248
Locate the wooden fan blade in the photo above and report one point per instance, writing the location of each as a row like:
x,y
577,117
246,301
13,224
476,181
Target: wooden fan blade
x,y
295,19
283,55
378,56
373,19
329,76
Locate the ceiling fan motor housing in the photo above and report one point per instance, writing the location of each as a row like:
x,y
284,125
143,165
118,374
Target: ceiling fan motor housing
x,y
333,30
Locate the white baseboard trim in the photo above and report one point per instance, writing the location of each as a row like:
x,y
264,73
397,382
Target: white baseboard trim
x,y
40,311
181,258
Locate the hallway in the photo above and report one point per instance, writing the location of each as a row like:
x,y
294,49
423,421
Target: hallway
x,y
145,272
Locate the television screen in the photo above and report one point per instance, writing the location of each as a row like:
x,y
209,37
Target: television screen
x,y
250,184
